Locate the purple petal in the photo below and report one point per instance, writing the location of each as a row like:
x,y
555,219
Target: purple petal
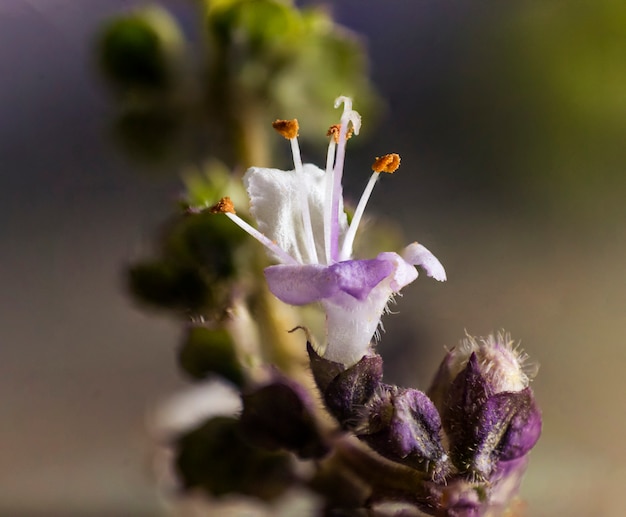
x,y
419,255
359,277
299,285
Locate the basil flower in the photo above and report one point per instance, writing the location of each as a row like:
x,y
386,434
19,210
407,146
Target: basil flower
x,y
301,220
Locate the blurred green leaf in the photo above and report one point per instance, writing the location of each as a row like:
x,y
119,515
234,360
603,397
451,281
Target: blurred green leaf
x,y
212,182
210,351
264,59
206,241
216,458
331,62
280,415
140,51
168,285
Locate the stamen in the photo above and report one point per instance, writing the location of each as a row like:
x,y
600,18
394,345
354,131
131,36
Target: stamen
x,y
346,250
304,202
225,206
388,163
287,128
334,132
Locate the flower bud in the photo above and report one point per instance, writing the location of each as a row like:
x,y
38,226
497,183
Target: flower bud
x,y
503,367
280,415
351,389
140,51
404,426
488,411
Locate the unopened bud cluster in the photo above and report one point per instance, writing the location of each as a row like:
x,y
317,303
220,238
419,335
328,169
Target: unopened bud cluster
x,y
469,436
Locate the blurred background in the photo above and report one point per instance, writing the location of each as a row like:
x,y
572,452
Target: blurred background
x,y
511,122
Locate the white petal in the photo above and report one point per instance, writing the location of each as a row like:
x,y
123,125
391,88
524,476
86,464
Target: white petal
x,y
276,205
419,255
404,272
351,323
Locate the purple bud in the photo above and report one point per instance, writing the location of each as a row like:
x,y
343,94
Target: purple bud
x,y
524,428
478,448
404,426
488,411
349,391
466,395
502,366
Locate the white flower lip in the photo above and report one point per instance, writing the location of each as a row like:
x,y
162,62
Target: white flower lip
x,y
302,222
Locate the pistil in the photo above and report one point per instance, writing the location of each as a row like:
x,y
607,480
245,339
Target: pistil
x,y
348,116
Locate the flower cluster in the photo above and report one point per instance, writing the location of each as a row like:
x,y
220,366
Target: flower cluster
x,y
301,220
458,449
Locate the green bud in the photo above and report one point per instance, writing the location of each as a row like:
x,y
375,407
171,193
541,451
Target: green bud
x,y
167,285
216,458
208,242
257,24
141,51
214,180
210,351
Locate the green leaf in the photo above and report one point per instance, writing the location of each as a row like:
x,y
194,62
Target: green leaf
x,y
210,351
215,457
140,50
167,285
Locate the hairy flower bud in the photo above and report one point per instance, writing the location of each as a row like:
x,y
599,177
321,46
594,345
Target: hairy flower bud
x,y
490,418
353,388
404,426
